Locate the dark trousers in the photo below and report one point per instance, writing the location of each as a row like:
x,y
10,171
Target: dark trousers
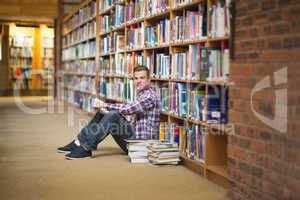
x,y
103,124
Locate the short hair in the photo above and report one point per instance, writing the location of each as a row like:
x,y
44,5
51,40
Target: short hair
x,y
139,68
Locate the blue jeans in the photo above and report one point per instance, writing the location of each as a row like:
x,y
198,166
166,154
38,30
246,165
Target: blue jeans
x,y
103,124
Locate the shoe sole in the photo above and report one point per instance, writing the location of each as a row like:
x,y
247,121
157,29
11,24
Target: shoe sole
x,y
61,151
70,158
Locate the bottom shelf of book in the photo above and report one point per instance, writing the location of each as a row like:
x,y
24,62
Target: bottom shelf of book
x,y
215,173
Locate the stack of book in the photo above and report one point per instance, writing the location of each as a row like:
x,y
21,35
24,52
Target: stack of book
x,y
163,153
138,151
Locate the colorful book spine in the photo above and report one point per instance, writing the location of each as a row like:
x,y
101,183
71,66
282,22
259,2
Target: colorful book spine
x,y
87,67
193,143
133,59
135,37
135,9
179,99
179,65
170,132
219,19
217,104
197,104
158,34
161,65
120,15
154,7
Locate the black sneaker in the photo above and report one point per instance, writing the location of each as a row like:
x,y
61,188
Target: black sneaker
x,y
79,153
68,148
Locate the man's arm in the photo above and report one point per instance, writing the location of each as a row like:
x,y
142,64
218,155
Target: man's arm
x,y
142,104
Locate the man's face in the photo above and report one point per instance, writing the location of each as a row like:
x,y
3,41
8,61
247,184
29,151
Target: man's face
x,y
141,81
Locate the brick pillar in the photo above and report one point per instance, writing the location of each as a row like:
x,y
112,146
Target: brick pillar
x,y
264,152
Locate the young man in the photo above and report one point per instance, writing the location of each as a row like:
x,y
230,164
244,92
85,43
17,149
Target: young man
x,y
145,112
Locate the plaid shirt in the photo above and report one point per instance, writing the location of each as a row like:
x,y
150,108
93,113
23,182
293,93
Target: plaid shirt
x,y
147,113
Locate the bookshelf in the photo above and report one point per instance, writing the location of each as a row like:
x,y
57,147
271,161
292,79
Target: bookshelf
x,y
185,44
20,62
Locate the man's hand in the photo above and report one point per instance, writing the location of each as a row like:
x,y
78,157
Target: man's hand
x,y
99,104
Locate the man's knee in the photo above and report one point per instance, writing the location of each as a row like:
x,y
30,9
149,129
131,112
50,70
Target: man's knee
x,y
112,114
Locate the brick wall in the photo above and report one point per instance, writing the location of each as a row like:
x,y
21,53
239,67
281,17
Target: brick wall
x,y
264,160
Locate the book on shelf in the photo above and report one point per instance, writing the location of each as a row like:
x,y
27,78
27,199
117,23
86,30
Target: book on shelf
x,y
120,64
82,50
105,45
135,36
179,65
21,41
153,7
48,42
118,42
192,25
120,15
163,94
178,99
85,67
80,17
219,18
80,100
135,9
106,23
105,4
104,63
161,65
169,132
217,104
133,59
192,143
197,104
117,88
158,34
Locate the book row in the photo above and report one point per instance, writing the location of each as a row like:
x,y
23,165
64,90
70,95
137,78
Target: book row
x,y
82,50
80,17
21,41
24,52
119,64
191,139
193,102
83,33
80,100
121,89
48,42
81,67
82,84
47,53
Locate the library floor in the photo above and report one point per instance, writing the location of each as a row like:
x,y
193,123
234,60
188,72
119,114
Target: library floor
x,y
30,167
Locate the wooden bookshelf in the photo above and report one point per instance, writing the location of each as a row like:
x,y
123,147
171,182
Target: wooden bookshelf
x,y
109,56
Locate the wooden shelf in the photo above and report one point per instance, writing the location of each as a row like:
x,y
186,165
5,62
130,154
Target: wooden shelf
x,y
79,58
187,42
133,50
78,74
135,21
158,16
219,169
157,47
107,11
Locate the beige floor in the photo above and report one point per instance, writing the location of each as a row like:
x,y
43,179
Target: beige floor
x,y
31,169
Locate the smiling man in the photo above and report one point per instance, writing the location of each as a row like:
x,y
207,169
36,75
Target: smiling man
x,y
144,114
